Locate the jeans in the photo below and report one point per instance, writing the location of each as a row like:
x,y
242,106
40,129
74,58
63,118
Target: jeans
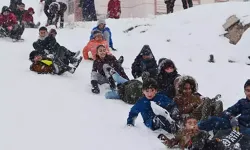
x,y
114,94
214,123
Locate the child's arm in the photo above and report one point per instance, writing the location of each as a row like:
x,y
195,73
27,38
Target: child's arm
x,y
133,114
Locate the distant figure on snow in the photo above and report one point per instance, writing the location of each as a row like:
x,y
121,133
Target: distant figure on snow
x,y
88,10
57,10
114,9
170,5
187,4
13,4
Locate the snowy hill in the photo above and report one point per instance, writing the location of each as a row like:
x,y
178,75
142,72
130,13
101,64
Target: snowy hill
x,y
45,112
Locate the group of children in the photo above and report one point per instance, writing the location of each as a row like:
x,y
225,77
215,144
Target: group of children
x,y
192,115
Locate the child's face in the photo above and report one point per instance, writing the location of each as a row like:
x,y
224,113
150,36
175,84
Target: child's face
x,y
43,33
101,52
150,93
191,124
247,92
187,89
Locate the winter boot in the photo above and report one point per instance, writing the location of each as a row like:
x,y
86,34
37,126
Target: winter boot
x,y
112,83
120,60
75,54
77,62
95,89
211,58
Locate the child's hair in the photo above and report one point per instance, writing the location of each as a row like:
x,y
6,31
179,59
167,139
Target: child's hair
x,y
149,83
189,117
247,83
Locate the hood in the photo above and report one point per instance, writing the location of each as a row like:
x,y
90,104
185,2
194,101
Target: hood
x,y
101,21
164,63
181,80
5,8
146,50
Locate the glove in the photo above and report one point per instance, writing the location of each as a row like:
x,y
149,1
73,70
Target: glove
x,y
113,49
51,56
234,122
9,28
112,83
175,114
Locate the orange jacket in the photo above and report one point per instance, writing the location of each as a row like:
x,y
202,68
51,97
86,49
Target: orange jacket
x,y
91,46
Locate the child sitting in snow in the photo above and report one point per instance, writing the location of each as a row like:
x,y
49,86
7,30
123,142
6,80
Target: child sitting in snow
x,y
191,104
143,106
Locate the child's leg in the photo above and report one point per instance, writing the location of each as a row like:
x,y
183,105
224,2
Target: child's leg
x,y
112,95
118,79
161,122
214,123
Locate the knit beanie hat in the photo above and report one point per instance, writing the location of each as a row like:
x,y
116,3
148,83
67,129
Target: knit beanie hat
x,y
247,83
101,21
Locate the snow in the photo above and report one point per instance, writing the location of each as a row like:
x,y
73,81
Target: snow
x,y
39,112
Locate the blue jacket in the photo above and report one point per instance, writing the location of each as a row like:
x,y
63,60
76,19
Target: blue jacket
x,y
242,107
105,29
143,106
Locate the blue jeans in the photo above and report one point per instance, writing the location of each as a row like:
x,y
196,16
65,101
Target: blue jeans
x,y
214,123
114,94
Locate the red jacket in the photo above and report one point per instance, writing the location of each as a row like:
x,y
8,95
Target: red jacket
x,y
8,20
114,9
27,17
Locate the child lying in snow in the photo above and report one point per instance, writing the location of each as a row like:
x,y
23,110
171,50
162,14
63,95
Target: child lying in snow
x,y
193,138
46,65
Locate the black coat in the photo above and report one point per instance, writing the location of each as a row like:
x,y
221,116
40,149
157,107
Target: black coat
x,y
13,4
140,65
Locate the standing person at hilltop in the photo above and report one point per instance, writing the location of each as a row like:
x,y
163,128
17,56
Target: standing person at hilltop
x,y
170,5
88,10
187,4
114,9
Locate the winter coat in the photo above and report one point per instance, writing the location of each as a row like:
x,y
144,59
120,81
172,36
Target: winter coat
x,y
91,47
143,106
130,91
114,9
166,80
28,17
46,7
19,14
49,43
110,60
9,20
242,108
184,138
43,66
106,29
227,139
88,10
58,13
139,65
187,104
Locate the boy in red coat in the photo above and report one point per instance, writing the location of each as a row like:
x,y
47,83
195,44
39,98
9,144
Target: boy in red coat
x,y
28,20
114,9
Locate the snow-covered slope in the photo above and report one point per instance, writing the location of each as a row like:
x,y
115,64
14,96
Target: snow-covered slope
x,y
45,112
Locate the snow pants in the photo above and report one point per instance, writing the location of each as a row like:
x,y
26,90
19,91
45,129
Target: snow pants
x,y
187,4
99,77
114,94
65,55
217,123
